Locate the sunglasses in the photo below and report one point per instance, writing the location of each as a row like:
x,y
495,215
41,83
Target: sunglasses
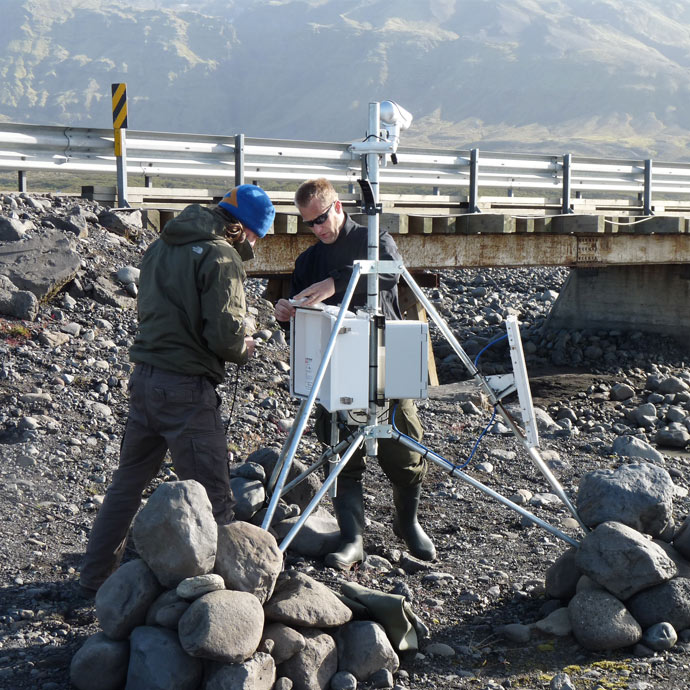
x,y
319,220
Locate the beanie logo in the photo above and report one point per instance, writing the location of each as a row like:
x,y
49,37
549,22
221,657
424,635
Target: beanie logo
x,y
231,198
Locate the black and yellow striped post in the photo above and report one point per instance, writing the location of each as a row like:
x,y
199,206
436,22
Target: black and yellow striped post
x,y
119,92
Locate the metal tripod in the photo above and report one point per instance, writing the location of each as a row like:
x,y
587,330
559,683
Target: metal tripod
x,y
380,144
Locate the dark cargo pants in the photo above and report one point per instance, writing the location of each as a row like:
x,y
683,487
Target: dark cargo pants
x,y
167,411
402,466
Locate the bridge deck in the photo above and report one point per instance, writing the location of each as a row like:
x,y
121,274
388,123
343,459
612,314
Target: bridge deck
x,y
485,240
435,232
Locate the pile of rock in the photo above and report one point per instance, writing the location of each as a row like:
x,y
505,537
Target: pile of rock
x,y
628,582
208,606
318,536
46,238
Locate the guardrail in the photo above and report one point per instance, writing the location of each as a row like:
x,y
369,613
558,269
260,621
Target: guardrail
x,y
25,148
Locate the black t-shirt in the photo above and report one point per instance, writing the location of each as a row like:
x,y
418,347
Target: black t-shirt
x,y
336,261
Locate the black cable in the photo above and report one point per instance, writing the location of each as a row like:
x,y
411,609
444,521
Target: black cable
x,y
234,397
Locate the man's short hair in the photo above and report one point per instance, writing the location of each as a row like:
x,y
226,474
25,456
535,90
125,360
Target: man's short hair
x,y
319,188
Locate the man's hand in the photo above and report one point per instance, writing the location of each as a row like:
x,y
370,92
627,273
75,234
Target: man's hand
x,y
283,310
318,292
250,345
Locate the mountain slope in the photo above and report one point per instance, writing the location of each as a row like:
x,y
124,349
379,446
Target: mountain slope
x,y
601,77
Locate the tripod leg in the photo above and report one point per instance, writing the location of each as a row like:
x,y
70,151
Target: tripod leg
x,y
349,511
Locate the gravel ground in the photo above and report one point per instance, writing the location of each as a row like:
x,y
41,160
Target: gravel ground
x,y
61,419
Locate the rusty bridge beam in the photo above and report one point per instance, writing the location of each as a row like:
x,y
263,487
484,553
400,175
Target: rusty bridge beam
x,y
275,254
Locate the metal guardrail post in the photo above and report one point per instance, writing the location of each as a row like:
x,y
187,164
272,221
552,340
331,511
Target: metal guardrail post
x,y
239,159
119,93
21,180
474,181
567,163
647,199
121,159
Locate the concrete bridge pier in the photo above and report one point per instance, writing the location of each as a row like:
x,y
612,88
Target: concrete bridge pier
x,y
654,298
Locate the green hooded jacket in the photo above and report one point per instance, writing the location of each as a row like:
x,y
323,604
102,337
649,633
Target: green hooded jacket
x,y
191,301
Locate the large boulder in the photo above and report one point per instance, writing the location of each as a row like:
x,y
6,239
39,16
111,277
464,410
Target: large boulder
x,y
158,662
21,304
562,576
318,535
628,446
222,626
681,539
364,649
167,610
175,532
314,666
639,495
43,266
249,495
124,598
300,600
668,602
622,560
13,229
302,493
257,673
601,622
248,559
102,658
285,641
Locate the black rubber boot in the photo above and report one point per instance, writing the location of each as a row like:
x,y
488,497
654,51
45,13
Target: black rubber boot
x,y
405,525
349,511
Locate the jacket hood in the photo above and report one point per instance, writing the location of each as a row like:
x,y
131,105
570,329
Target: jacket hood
x,y
193,224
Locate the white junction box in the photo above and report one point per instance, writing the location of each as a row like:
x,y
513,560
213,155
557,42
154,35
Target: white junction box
x,y
407,359
345,385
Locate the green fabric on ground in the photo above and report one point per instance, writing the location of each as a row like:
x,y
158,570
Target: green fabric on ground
x,y
389,610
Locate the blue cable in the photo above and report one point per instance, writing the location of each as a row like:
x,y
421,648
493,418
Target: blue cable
x,y
455,467
484,431
481,436
487,346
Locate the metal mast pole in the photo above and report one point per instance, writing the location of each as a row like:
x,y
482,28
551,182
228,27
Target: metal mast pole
x,y
372,170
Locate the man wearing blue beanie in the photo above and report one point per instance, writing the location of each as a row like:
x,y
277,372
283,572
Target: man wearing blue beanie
x,y
191,308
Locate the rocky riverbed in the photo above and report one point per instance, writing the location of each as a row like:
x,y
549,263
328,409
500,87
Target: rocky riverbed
x,y
605,395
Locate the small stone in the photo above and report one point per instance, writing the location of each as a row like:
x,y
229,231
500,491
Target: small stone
x,y
660,636
343,681
439,649
561,681
194,587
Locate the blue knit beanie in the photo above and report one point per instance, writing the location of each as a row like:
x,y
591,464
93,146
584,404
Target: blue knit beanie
x,y
251,206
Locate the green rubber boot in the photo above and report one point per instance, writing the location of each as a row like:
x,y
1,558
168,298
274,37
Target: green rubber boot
x,y
349,511
405,525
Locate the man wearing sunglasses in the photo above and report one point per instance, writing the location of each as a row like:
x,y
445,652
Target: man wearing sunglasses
x,y
322,274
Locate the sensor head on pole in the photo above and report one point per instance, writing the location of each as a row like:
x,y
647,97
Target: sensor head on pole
x,y
394,114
